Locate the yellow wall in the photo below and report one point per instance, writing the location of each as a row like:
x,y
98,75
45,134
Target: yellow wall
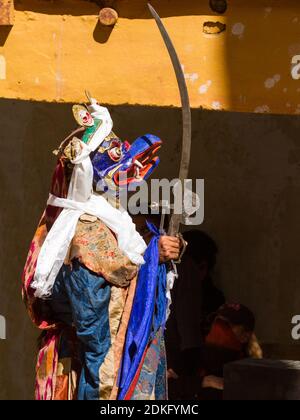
x,y
56,50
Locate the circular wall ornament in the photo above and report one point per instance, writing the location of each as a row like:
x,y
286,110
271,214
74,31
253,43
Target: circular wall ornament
x,y
108,16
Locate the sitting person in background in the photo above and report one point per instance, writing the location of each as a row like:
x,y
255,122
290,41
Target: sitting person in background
x,y
231,337
194,297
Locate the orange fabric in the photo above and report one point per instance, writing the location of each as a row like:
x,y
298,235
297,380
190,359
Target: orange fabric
x,y
46,367
221,335
62,388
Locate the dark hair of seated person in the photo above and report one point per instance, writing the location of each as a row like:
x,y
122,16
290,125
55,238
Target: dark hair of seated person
x,y
201,247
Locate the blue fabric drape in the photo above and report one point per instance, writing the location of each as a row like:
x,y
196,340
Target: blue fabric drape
x,y
148,313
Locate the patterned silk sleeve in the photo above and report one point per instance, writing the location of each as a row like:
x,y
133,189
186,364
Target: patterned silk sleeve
x,y
95,246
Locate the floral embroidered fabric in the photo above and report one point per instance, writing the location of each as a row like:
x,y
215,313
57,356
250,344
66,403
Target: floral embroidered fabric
x,y
96,247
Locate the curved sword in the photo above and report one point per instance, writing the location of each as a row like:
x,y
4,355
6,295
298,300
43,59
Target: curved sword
x,y
176,219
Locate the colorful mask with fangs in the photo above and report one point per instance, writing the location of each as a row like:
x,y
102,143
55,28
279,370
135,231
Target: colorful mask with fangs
x,y
118,165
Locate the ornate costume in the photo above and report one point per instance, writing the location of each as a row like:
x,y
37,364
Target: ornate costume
x,y
90,282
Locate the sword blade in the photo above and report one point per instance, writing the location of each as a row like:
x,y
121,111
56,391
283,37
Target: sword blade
x,y
186,114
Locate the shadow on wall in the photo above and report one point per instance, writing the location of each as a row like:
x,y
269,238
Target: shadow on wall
x,y
102,33
251,167
4,33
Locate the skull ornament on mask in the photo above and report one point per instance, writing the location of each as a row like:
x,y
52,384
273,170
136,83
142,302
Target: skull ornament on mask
x,y
116,164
